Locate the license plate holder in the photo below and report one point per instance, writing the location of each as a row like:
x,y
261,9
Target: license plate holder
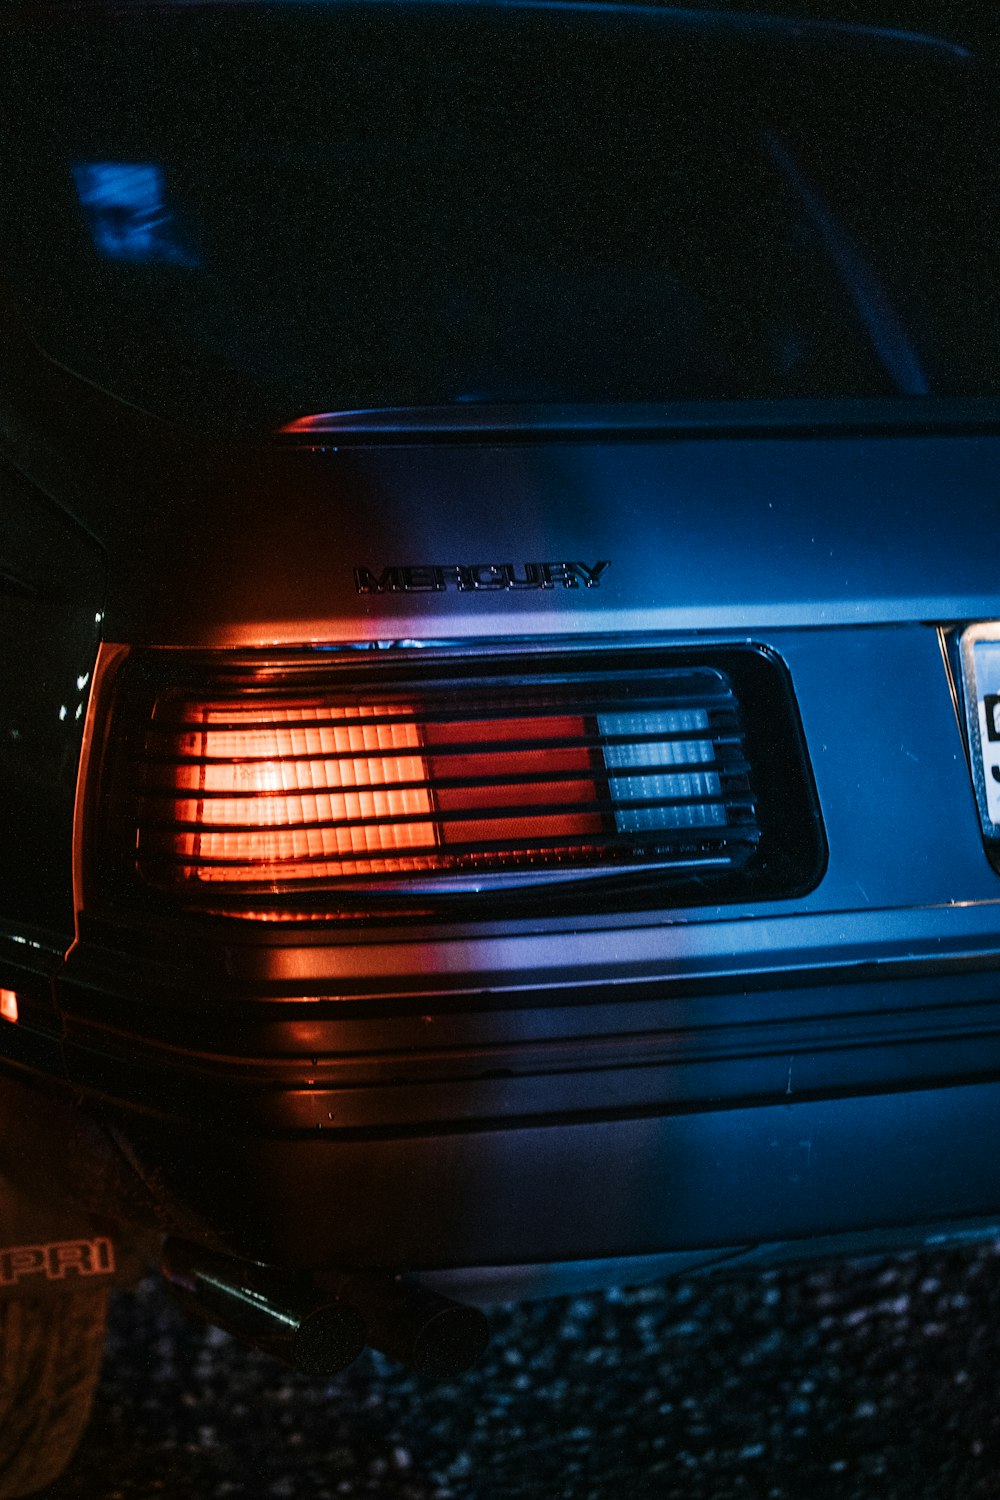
x,y
980,655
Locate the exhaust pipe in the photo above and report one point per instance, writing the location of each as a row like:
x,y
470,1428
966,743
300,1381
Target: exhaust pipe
x,y
283,1315
430,1334
320,1324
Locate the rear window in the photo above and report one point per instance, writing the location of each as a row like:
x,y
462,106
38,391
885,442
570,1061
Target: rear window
x,y
236,214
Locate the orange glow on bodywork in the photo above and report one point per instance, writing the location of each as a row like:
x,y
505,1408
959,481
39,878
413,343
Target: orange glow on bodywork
x,y
316,423
8,1005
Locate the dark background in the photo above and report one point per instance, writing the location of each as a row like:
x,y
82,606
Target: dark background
x,y
873,1380
974,25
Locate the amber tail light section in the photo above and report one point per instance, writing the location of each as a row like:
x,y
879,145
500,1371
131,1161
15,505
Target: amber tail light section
x,y
306,788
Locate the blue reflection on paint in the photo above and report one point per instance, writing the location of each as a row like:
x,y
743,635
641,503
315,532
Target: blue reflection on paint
x,y
127,214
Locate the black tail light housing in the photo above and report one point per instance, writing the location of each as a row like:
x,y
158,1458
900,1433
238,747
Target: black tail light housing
x,y
317,785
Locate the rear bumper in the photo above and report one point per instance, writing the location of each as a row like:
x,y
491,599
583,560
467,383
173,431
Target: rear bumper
x,y
317,1105
591,1189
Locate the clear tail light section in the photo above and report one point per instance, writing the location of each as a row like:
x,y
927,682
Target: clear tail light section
x,y
302,793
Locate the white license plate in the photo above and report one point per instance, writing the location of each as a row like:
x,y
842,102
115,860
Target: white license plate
x,y
981,679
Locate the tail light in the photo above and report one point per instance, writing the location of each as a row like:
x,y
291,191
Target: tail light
x,y
303,788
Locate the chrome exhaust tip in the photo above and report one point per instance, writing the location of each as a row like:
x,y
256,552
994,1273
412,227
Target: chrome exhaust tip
x,y
430,1334
285,1315
319,1324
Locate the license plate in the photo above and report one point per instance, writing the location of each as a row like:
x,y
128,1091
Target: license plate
x,y
981,680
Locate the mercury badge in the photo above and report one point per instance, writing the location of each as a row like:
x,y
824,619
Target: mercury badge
x,y
479,577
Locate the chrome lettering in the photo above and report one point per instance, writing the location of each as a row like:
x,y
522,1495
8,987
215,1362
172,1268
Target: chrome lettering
x,y
590,576
479,577
389,580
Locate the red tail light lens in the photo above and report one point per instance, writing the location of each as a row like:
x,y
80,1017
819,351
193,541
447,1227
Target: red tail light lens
x,y
327,791
317,786
294,792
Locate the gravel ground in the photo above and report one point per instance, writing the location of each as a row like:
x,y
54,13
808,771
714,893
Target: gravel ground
x,y
862,1381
